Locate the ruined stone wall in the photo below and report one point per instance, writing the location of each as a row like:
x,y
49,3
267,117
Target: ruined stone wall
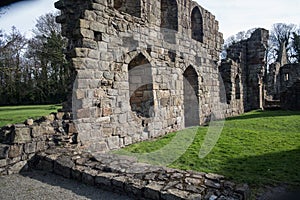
x,y
245,64
290,86
230,72
19,143
132,62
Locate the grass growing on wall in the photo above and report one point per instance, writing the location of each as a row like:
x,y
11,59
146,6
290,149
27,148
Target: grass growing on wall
x,y
259,148
18,114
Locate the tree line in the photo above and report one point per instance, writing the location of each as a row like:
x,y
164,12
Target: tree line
x,y
34,71
282,36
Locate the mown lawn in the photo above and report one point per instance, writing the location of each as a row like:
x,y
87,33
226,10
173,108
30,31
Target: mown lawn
x,y
258,148
18,114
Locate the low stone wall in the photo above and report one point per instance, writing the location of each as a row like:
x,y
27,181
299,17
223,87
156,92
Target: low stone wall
x,y
48,144
141,181
20,142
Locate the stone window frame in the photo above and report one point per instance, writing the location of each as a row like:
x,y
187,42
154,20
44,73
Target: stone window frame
x,y
237,82
197,33
167,24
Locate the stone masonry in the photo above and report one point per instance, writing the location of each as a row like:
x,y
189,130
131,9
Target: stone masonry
x,y
290,86
243,73
144,68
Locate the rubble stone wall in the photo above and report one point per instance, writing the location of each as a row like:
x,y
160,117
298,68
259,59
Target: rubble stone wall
x,y
20,142
125,175
290,86
245,64
130,60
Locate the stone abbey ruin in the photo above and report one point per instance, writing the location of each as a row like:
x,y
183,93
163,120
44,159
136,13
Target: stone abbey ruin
x,y
145,68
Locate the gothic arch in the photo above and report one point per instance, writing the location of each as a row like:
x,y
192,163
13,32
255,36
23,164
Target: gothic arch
x,y
169,14
197,24
191,97
140,86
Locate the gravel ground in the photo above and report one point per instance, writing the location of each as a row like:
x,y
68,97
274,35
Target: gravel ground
x,y
38,185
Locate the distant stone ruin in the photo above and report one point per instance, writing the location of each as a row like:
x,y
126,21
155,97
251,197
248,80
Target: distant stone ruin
x,y
283,83
290,87
243,73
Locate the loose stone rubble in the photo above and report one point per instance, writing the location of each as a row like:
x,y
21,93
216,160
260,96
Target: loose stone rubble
x,y
20,142
140,181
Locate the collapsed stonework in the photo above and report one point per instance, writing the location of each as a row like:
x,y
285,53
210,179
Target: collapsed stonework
x,y
290,86
282,87
144,68
243,73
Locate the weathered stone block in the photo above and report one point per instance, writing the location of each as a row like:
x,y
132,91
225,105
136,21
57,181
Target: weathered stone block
x,y
36,131
30,147
104,179
18,167
118,183
152,190
113,142
88,176
21,135
15,151
3,162
63,166
41,145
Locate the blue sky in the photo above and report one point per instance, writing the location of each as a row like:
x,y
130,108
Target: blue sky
x,y
233,15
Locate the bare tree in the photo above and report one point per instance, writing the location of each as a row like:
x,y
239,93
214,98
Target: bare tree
x,y
281,40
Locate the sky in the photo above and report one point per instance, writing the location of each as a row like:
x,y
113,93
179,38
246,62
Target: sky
x,y
233,15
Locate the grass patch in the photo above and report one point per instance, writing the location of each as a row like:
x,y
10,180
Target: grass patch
x,y
18,114
259,148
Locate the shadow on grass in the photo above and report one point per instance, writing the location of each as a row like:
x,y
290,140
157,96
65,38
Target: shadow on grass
x,y
262,114
267,169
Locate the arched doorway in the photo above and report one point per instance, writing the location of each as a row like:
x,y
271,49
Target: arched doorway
x,y
191,97
140,86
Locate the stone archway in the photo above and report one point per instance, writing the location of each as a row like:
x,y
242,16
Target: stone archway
x,y
191,97
140,86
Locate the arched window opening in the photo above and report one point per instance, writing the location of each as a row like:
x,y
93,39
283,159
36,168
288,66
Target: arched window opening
x,y
140,86
169,14
197,25
191,97
237,87
132,7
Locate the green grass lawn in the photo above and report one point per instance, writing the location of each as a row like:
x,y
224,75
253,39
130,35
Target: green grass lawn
x,y
18,114
258,148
